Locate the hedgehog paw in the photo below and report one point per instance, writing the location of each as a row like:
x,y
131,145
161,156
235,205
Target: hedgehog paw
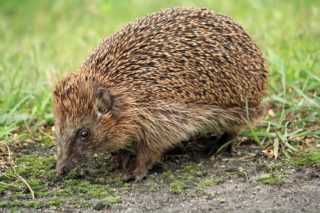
x,y
119,160
134,173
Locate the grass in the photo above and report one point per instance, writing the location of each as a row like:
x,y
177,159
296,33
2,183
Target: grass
x,y
41,41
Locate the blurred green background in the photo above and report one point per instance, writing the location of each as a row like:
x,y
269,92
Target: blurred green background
x,y
41,39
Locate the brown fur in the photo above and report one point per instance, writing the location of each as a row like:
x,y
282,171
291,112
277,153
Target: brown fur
x,y
162,79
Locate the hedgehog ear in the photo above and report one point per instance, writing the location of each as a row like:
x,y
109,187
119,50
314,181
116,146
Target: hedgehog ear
x,y
103,100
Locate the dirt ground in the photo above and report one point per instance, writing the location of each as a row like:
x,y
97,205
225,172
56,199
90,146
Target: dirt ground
x,y
187,181
230,196
238,187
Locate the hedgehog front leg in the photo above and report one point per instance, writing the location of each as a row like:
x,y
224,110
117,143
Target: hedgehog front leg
x,y
119,160
227,139
146,156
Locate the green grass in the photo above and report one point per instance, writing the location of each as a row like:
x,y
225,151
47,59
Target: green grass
x,y
41,41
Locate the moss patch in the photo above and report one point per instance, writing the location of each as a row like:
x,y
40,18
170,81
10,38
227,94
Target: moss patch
x,y
51,190
177,187
207,182
276,174
271,179
308,159
113,200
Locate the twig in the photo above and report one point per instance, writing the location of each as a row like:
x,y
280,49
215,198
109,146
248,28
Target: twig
x,y
17,175
242,171
27,184
28,129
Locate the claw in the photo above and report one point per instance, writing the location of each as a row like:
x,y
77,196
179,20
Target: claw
x,y
134,173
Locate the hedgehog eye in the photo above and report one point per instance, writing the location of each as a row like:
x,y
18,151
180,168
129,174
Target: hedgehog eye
x,y
84,134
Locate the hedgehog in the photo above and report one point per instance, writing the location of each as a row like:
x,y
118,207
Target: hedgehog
x,y
155,83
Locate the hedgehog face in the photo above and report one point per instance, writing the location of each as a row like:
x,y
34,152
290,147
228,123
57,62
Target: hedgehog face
x,y
84,123
75,144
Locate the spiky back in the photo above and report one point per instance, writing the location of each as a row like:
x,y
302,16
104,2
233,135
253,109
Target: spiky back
x,y
73,96
185,55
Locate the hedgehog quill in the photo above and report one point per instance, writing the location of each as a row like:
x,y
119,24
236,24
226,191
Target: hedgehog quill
x,y
157,82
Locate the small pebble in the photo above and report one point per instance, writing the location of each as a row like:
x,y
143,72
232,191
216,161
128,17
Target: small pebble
x,y
222,200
